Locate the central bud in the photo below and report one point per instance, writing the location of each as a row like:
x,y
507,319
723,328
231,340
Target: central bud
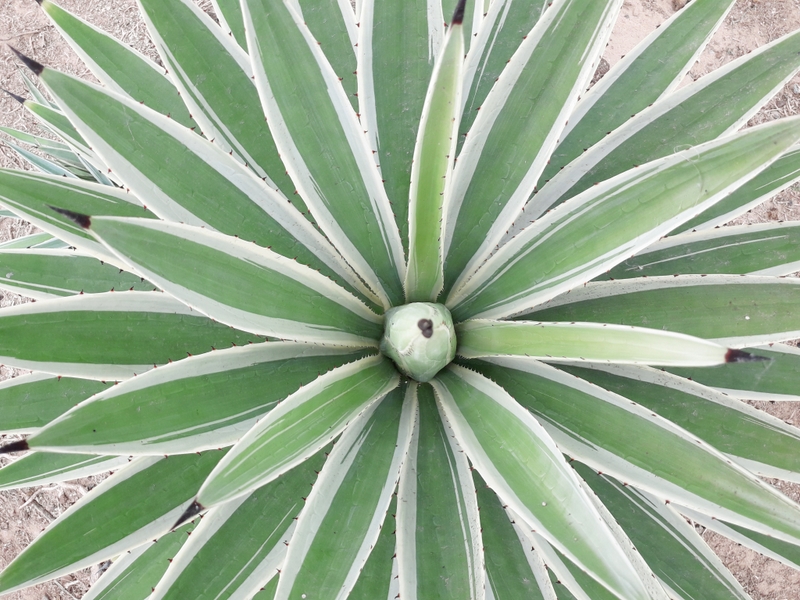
x,y
419,338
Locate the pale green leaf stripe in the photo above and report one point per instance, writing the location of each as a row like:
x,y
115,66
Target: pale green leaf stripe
x,y
333,25
300,425
250,560
763,249
239,283
482,414
777,177
323,146
592,342
41,164
772,380
593,232
437,521
732,310
760,442
110,336
118,66
56,149
394,65
375,579
58,123
31,86
431,171
710,107
788,554
52,244
42,274
26,241
511,565
203,185
30,194
500,32
654,454
148,414
213,75
677,554
518,127
229,13
43,468
352,495
655,67
132,515
133,575
29,402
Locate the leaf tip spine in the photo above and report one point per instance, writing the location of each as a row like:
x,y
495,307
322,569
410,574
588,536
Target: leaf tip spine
x,y
195,508
18,446
458,14
34,66
84,221
19,99
736,356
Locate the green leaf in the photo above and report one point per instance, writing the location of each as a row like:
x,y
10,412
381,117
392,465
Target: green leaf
x,y
519,125
240,284
654,68
118,66
431,170
679,557
438,536
31,194
333,25
213,75
345,510
596,230
229,13
197,572
26,241
772,380
394,67
593,342
760,442
503,27
203,185
520,462
150,414
731,310
702,111
375,580
323,146
133,575
59,124
134,505
43,468
654,454
29,402
763,249
43,274
108,336
41,164
302,424
777,177
513,569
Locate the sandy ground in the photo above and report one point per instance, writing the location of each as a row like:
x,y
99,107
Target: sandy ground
x,y
752,23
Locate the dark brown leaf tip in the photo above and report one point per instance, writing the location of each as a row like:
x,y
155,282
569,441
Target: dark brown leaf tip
x,y
28,62
19,99
18,446
84,221
458,15
735,356
195,508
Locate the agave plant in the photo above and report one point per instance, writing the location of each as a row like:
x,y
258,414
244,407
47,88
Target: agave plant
x,y
374,301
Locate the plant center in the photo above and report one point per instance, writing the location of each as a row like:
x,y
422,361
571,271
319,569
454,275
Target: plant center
x,y
419,338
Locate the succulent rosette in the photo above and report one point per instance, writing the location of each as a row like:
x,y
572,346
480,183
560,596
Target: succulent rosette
x,y
385,299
